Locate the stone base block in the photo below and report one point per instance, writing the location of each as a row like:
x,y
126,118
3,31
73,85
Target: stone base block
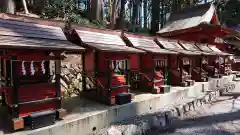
x,y
203,79
61,113
123,98
112,101
184,84
164,89
156,90
17,123
190,82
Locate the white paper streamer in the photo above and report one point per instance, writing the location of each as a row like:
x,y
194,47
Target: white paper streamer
x,y
32,68
23,68
42,67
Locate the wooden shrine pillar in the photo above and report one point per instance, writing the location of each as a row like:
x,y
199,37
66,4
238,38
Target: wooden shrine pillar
x,y
224,64
153,70
216,65
180,61
57,79
84,83
169,67
201,64
127,73
108,73
190,65
15,86
60,111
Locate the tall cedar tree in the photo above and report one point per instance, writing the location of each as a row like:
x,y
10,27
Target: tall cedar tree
x,y
155,16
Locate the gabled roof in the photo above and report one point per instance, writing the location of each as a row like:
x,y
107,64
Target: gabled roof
x,y
104,41
190,46
219,52
175,46
211,49
205,48
191,17
14,34
146,43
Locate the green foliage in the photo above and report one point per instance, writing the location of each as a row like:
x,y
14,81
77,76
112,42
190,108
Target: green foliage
x,y
138,29
67,11
229,12
59,9
2,9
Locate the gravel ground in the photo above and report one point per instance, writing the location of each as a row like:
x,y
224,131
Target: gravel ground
x,y
220,117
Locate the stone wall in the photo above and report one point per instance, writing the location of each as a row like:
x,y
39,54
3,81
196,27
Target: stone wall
x,y
71,78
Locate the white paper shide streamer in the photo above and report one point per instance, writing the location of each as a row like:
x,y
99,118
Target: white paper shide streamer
x,y
23,68
32,68
43,67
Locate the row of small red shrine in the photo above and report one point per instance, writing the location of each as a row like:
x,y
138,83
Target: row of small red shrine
x,y
33,42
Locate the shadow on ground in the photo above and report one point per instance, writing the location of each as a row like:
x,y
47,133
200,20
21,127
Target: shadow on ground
x,y
202,125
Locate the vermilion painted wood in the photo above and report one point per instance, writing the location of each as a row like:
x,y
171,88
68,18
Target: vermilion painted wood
x,y
116,80
33,57
32,93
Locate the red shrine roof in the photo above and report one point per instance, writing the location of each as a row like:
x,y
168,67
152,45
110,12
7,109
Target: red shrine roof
x,y
190,46
201,18
216,50
109,41
146,43
15,34
211,49
173,45
204,47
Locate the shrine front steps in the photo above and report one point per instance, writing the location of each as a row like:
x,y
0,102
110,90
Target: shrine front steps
x,y
94,116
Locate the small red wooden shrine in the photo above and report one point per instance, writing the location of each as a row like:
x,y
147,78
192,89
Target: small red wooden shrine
x,y
29,95
154,67
198,74
225,67
233,44
236,64
107,63
181,65
212,67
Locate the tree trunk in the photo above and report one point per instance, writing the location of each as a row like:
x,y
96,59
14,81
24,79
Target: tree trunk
x,y
25,6
145,9
10,6
120,22
188,4
174,6
155,16
162,14
114,12
135,11
96,10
